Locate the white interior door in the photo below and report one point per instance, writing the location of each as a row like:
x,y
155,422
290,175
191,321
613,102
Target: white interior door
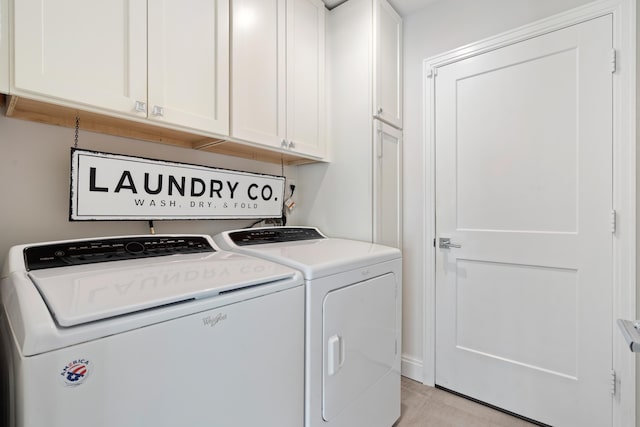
x,y
524,187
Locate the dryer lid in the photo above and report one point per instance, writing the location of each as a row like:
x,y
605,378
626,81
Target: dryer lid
x,y
323,257
87,293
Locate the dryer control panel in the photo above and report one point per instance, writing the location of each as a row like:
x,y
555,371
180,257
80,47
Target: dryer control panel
x,y
259,236
111,249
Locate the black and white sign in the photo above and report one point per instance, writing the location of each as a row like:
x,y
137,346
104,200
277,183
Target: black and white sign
x,y
115,187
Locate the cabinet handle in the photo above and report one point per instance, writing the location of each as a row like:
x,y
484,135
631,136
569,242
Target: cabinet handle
x,y
157,111
283,143
292,145
140,107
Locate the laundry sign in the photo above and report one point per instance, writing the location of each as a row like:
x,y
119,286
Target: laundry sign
x,y
108,186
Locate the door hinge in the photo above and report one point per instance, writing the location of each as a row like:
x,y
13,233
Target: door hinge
x,y
613,382
614,221
614,61
432,72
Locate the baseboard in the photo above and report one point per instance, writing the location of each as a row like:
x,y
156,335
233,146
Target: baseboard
x,y
412,368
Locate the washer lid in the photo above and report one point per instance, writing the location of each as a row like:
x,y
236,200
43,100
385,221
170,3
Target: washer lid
x,y
86,293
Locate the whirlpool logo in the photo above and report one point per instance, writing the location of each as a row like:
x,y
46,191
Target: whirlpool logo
x,y
75,372
212,321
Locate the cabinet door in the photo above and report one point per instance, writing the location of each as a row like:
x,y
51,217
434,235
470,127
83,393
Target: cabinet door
x,y
189,63
91,53
305,76
387,64
387,190
258,67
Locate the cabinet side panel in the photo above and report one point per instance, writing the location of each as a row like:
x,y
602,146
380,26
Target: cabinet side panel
x,y
337,197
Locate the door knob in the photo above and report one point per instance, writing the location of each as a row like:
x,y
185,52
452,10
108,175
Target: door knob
x,y
445,243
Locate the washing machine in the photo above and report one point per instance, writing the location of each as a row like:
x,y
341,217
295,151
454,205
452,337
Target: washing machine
x,y
163,330
353,321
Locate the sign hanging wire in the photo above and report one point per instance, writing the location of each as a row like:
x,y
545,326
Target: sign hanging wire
x,y
75,140
284,192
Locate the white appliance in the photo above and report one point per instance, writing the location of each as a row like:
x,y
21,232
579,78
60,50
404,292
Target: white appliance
x,y
353,321
150,331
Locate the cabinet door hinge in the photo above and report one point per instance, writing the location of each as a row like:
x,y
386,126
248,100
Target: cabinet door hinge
x,y
613,383
614,221
613,59
432,72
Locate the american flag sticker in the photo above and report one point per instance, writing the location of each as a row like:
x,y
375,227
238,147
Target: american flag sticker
x,y
75,372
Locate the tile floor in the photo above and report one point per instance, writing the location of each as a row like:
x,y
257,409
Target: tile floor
x,y
424,406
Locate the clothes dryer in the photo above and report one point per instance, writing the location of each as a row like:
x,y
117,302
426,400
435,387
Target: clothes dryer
x,y
159,331
353,321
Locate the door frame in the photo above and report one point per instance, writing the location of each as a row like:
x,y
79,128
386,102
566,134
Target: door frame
x,y
624,181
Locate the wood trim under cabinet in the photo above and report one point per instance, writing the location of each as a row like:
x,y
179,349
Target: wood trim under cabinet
x,y
42,112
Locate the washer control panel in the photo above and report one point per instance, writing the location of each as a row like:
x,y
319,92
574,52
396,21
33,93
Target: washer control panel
x,y
115,249
259,236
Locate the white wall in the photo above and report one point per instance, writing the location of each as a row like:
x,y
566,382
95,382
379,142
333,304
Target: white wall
x,y
34,183
441,26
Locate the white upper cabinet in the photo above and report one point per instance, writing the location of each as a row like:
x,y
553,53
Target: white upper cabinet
x,y
277,93
387,92
258,66
94,54
188,54
387,185
305,76
85,52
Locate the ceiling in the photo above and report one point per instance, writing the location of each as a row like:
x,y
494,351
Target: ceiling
x,y
403,7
